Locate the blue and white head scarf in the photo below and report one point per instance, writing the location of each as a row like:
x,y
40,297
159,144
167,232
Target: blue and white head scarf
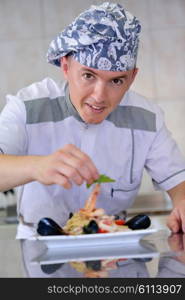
x,y
104,37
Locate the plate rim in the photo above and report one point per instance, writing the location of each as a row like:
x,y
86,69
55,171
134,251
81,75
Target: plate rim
x,y
94,235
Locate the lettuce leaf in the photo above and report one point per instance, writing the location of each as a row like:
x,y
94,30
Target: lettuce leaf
x,y
103,178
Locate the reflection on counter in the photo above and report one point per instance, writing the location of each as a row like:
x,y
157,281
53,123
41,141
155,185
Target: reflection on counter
x,y
166,252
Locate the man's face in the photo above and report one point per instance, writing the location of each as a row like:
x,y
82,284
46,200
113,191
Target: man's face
x,y
95,93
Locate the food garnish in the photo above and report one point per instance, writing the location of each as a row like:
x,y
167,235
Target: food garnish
x,y
102,178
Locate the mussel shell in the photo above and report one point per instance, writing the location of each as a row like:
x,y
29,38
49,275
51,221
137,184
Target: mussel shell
x,y
139,222
49,269
70,215
92,227
143,259
94,265
47,226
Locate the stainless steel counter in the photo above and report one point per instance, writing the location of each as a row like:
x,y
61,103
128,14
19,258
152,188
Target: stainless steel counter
x,y
157,255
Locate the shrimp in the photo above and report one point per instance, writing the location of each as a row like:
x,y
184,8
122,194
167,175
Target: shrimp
x,y
95,274
98,212
90,204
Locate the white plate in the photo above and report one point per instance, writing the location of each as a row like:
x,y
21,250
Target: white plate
x,y
84,240
111,251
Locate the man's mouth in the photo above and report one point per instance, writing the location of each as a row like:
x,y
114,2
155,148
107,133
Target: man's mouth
x,y
96,109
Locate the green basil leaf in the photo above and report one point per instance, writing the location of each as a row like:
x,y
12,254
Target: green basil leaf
x,y
103,178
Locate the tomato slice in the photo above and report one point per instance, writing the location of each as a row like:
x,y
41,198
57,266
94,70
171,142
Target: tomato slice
x,y
120,222
100,230
107,222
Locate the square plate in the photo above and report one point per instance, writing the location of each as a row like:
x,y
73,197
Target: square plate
x,y
114,251
75,241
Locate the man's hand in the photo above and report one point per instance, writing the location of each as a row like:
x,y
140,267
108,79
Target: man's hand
x,y
176,220
177,244
65,166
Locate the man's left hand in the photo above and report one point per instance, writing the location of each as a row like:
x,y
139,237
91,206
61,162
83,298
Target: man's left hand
x,y
176,219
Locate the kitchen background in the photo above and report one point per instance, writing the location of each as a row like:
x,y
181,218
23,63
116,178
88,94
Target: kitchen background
x,y
27,27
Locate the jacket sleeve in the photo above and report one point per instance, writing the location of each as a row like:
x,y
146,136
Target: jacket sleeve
x,y
165,163
13,137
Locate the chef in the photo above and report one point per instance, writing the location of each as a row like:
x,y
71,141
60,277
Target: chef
x,y
57,137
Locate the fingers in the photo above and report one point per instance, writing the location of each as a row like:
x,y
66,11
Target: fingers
x,y
175,242
70,172
174,221
182,214
61,180
76,165
66,166
183,241
84,163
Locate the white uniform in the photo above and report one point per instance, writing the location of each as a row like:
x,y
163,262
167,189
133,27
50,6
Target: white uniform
x,y
40,119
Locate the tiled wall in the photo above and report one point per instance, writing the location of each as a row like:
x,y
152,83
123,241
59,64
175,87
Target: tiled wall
x,y
27,27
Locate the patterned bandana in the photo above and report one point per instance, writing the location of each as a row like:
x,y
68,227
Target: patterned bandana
x,y
104,37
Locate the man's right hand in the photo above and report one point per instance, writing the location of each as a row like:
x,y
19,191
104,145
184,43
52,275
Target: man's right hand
x,y
66,166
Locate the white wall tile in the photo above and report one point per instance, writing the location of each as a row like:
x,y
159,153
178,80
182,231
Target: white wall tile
x,y
20,63
144,82
169,62
20,19
165,13
57,14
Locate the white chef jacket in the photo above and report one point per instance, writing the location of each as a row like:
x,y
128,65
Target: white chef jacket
x,y
41,119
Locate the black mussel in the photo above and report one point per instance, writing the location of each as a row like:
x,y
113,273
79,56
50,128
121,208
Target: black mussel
x,y
70,215
122,215
49,269
47,226
139,222
116,217
143,259
92,227
94,265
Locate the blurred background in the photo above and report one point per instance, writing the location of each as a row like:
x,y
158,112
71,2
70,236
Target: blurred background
x,y
27,27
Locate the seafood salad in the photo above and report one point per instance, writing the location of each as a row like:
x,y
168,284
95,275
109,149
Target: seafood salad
x,y
93,220
89,220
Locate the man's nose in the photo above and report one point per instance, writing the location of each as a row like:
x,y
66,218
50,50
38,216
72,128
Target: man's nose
x,y
99,92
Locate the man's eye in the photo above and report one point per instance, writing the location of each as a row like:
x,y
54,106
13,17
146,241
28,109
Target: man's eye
x,y
87,75
117,81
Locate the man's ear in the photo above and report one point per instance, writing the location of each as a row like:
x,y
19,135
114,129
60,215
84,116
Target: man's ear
x,y
135,71
64,64
133,75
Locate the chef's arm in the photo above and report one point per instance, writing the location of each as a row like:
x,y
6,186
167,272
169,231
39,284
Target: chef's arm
x,y
176,219
66,166
16,170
